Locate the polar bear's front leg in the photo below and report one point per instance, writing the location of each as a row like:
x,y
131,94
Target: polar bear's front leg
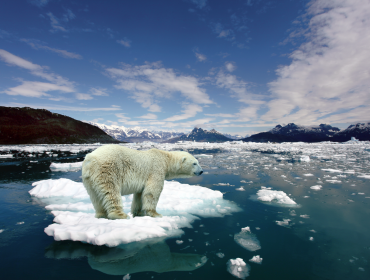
x,y
149,198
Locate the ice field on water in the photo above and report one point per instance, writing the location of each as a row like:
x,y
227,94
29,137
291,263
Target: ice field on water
x,y
259,211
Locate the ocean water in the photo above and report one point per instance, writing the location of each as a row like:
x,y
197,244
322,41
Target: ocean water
x,y
325,235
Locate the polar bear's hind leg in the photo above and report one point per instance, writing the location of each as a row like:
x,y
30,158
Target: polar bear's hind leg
x,y
136,204
112,202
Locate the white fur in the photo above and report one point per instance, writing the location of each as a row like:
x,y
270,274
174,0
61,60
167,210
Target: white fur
x,y
112,171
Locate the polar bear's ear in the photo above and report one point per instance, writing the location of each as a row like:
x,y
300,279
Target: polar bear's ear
x,y
183,159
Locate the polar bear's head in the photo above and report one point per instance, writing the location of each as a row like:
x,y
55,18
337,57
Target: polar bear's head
x,y
186,166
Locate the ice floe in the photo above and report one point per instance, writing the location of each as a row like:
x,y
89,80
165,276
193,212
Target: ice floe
x,y
317,187
65,167
247,240
238,268
75,216
256,259
279,197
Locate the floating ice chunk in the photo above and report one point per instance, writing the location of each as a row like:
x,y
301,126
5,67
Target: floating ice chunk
x,y
308,175
126,277
74,214
256,259
361,193
364,176
305,216
203,156
223,184
238,268
240,189
247,240
6,156
311,238
179,242
1,230
361,269
20,223
332,170
317,187
334,181
65,167
243,181
279,197
220,255
304,158
284,222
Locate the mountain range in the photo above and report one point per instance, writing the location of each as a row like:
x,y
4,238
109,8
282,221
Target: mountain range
x,y
39,126
138,134
324,132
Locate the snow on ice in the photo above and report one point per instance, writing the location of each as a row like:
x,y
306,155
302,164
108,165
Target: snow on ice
x,y
75,216
238,268
247,240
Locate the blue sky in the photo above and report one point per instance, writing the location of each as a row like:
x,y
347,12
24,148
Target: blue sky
x,y
240,66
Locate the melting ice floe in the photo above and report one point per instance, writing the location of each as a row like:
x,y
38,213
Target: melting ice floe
x,y
65,167
75,216
247,240
256,259
238,268
277,197
317,187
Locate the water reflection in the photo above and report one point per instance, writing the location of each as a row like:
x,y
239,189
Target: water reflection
x,y
153,256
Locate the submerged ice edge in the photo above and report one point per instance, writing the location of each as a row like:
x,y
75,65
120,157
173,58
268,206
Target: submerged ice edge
x,y
180,204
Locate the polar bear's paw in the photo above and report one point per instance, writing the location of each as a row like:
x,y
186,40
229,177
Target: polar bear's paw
x,y
150,213
100,215
115,215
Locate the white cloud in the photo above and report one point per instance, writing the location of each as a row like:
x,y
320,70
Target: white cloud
x,y
149,116
200,57
83,96
230,66
99,91
18,61
125,42
62,53
200,3
36,89
221,115
35,69
329,74
39,3
150,82
238,88
190,110
68,16
55,24
62,108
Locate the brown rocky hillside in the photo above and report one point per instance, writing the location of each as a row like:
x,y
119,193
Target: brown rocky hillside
x,y
39,126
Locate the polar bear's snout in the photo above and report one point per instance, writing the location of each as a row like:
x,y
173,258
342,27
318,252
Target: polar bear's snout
x,y
198,170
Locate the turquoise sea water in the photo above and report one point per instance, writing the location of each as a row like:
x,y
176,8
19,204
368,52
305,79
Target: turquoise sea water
x,y
327,235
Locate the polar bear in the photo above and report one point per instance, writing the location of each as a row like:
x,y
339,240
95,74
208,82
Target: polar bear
x,y
112,170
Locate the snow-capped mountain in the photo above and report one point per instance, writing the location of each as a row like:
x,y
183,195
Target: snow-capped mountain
x,y
200,135
360,131
136,134
323,132
296,133
234,137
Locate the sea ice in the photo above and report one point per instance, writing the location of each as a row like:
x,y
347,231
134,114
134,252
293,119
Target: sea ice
x,y
247,240
304,158
317,187
279,197
220,255
238,268
65,167
75,219
284,222
256,259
